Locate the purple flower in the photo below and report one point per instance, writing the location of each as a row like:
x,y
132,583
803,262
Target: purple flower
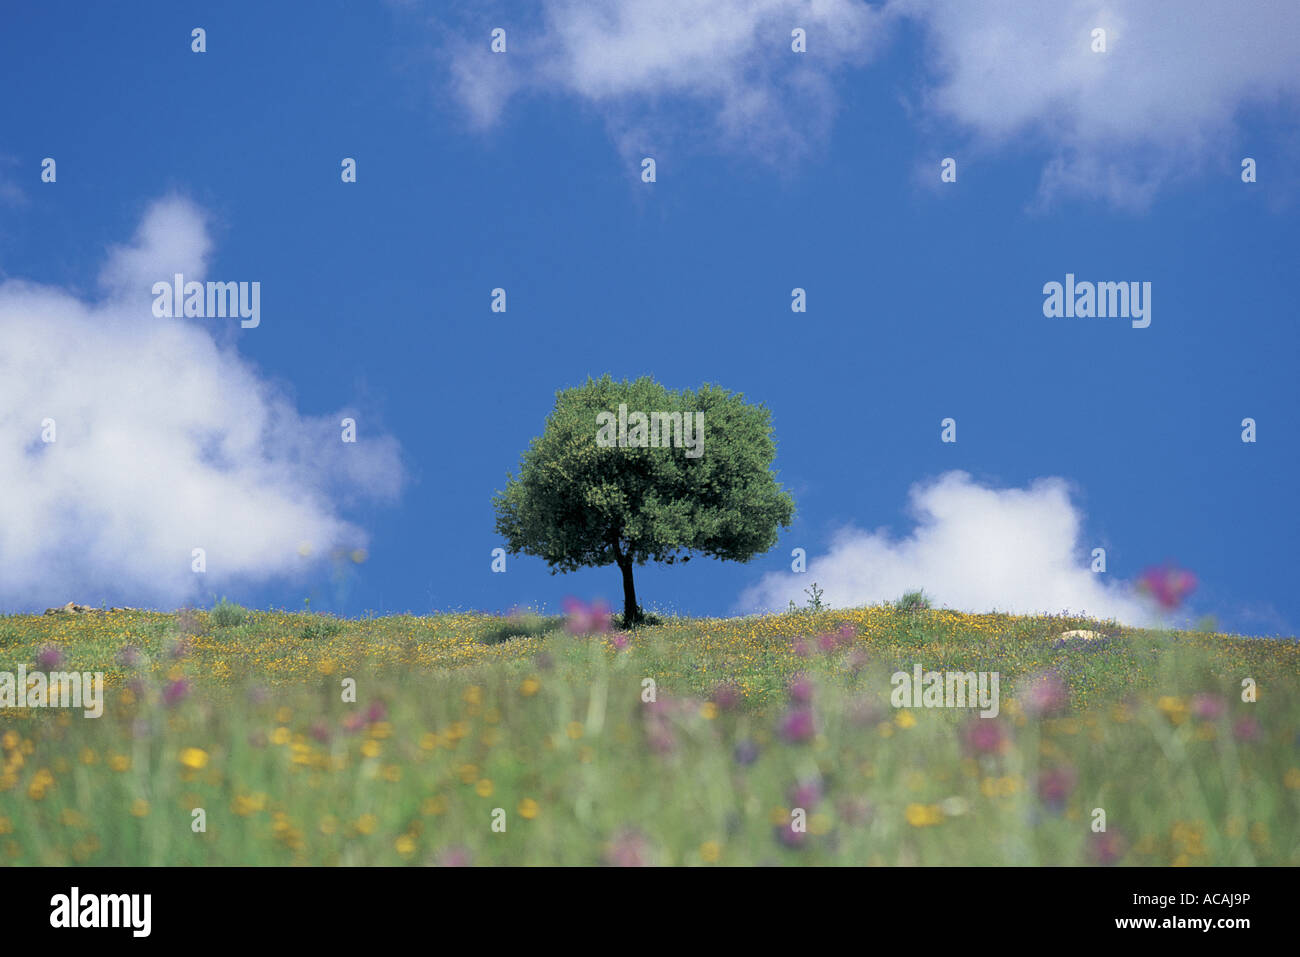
x,y
583,619
985,736
627,849
806,794
455,856
1106,847
1055,785
619,641
827,642
320,731
1246,730
797,726
376,712
788,837
1167,584
726,696
176,691
800,646
1047,694
1207,707
49,657
746,752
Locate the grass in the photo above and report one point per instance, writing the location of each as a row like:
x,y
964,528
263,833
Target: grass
x,y
464,724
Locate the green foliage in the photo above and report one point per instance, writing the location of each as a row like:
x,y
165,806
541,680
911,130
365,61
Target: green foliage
x,y
815,598
912,602
526,624
320,628
226,614
575,504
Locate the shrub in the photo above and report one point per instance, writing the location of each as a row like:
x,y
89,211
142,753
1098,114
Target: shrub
x,y
226,614
913,602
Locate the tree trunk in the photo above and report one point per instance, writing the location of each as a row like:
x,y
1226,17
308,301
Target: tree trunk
x,y
631,614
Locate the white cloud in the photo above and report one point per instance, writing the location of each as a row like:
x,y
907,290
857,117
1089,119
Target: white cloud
x,y
165,442
1156,106
998,75
661,71
973,549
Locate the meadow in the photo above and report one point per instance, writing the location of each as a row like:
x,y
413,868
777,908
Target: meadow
x,y
525,740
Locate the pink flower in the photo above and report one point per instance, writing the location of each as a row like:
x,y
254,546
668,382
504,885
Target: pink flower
x,y
1055,785
49,657
1106,847
985,736
827,642
1207,707
806,794
800,646
1167,584
628,849
176,691
726,696
455,857
1246,730
619,641
798,726
583,619
1047,694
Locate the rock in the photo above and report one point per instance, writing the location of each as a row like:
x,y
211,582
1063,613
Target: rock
x,y
71,608
1080,634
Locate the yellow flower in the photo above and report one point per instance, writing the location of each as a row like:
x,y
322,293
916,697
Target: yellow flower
x,y
905,719
528,809
405,845
483,788
923,815
710,851
708,711
367,823
119,762
574,730
529,687
1292,779
140,808
195,758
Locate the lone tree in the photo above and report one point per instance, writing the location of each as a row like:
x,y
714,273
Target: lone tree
x,y
630,472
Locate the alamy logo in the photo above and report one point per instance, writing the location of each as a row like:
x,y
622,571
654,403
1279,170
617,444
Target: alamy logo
x,y
946,689
102,910
1100,300
58,689
212,300
639,430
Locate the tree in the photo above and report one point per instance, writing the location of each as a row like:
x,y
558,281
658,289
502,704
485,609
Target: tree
x,y
614,480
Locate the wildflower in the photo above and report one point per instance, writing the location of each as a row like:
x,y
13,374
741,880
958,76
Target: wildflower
x,y
1246,730
725,696
528,809
1055,785
1047,694
798,726
627,849
1167,584
49,657
194,758
583,619
746,752
619,641
788,837
806,793
923,815
1106,847
985,736
1207,707
455,856
176,691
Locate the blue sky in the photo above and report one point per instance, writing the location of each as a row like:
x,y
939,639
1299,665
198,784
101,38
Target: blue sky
x,y
522,170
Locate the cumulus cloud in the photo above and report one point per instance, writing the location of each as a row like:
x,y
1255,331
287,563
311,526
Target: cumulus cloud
x,y
164,442
1153,108
973,549
722,69
995,75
